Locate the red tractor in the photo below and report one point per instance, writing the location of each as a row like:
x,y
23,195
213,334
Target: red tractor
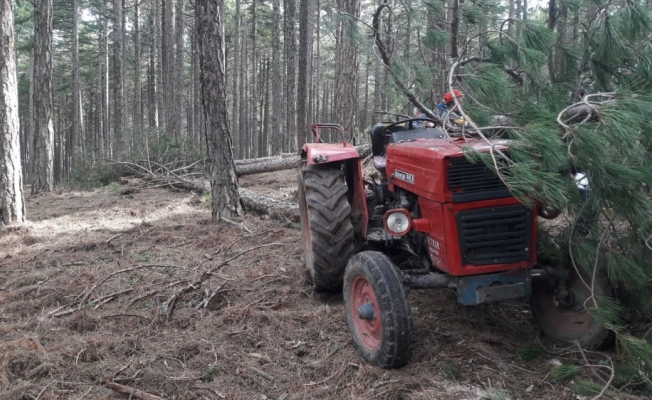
x,y
452,223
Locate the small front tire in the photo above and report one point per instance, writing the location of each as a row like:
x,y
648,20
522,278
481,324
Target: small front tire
x,y
377,310
572,323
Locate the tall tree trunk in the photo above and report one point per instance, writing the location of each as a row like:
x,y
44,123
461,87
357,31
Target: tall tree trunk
x,y
290,73
178,70
346,67
318,72
118,86
12,203
365,111
29,148
307,13
455,27
138,111
43,123
224,182
104,78
167,40
153,77
76,88
264,146
254,88
236,77
160,68
197,106
277,106
242,91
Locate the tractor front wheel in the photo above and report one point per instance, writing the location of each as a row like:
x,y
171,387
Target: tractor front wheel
x,y
562,311
326,224
377,310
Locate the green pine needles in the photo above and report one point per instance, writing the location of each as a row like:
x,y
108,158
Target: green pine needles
x,y
530,72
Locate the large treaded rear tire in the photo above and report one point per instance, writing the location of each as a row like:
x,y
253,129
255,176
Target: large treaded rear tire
x,y
326,225
382,336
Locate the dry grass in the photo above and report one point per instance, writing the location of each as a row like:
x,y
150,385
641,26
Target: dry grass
x,y
265,318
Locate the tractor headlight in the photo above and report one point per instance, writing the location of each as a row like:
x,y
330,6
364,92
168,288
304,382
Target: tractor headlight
x,y
397,222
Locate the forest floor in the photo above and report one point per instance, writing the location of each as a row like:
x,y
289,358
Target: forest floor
x,y
266,334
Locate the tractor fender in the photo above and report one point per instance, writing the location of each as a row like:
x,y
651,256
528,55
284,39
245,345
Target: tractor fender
x,y
326,153
347,155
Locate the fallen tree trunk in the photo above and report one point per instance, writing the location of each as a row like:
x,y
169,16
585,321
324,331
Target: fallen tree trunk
x,y
247,161
277,209
280,164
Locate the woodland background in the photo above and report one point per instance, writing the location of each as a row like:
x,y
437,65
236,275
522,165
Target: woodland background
x,y
121,81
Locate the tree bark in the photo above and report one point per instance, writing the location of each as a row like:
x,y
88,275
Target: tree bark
x,y
75,136
253,99
12,203
455,27
290,73
277,110
43,123
307,13
105,145
177,114
29,145
236,77
138,114
153,77
280,163
224,182
346,69
118,86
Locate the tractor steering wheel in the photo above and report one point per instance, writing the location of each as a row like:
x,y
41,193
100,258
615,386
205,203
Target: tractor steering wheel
x,y
409,122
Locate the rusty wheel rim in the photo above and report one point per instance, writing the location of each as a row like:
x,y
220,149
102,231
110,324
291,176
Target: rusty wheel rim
x,y
565,322
368,330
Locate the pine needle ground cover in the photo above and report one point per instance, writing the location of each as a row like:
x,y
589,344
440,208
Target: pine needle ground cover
x,y
266,317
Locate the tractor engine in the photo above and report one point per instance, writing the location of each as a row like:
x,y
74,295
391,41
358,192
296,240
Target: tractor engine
x,y
456,216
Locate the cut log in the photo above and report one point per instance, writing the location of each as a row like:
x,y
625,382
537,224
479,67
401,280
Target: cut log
x,y
277,209
267,166
247,161
279,164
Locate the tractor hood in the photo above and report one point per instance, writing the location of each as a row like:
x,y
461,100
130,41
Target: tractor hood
x,y
422,166
441,148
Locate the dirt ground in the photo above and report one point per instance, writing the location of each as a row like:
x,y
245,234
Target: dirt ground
x,y
85,286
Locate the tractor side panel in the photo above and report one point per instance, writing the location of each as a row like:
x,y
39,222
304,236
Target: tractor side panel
x,y
326,153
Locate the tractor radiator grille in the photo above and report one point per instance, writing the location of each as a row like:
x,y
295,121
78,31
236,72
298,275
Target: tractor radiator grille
x,y
495,235
474,181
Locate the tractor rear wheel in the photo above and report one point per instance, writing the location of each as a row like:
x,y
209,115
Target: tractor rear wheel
x,y
567,319
377,310
325,224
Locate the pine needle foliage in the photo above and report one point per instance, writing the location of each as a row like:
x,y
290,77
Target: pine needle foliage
x,y
564,372
530,353
530,72
585,387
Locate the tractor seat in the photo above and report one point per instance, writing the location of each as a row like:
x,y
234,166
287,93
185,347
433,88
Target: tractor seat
x,y
380,162
398,133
